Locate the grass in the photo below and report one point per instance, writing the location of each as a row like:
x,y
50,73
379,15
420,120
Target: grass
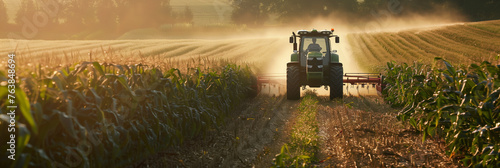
x,y
302,149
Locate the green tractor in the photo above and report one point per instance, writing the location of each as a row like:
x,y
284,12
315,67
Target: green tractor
x,y
314,64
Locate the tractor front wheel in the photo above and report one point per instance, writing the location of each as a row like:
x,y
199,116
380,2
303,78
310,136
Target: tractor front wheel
x,y
336,81
293,83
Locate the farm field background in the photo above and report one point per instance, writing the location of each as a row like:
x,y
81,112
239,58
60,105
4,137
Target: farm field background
x,y
270,118
61,52
459,43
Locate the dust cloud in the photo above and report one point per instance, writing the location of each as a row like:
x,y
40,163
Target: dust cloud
x,y
279,57
380,21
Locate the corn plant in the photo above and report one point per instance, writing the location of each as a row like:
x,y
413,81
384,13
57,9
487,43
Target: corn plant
x,y
458,103
98,115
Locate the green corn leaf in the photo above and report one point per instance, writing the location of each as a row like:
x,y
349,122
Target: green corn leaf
x,y
98,67
3,92
67,123
23,138
450,68
24,106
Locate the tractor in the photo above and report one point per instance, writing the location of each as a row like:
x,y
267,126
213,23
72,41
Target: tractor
x,y
314,63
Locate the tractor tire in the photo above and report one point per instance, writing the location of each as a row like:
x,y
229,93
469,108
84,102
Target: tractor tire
x,y
293,83
336,81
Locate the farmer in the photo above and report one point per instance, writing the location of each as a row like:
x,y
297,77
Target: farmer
x,y
313,46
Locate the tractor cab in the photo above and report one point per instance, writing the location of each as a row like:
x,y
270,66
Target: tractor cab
x,y
314,42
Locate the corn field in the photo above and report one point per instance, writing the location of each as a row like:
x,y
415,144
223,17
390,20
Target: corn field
x,y
99,115
460,104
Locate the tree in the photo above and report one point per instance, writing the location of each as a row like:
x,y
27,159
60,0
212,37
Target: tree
x,y
347,6
252,12
78,15
3,14
135,14
480,9
106,14
188,15
26,11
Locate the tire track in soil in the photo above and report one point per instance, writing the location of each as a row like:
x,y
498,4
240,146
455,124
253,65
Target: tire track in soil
x,y
250,138
363,132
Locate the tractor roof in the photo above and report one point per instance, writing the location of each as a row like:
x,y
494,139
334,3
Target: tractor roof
x,y
315,32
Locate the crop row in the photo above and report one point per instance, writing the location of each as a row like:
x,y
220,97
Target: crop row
x,y
468,43
41,51
460,104
302,149
98,115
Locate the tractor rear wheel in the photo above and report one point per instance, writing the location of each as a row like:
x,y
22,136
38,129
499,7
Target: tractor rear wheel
x,y
293,83
336,81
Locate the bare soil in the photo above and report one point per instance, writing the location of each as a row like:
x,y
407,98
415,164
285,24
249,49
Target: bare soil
x,y
358,131
364,132
253,135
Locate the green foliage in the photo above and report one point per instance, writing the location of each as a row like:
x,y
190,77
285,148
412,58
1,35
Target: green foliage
x,y
459,103
27,10
283,159
101,115
258,11
303,139
251,12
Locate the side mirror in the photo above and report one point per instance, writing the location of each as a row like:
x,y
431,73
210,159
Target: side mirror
x,y
337,39
291,39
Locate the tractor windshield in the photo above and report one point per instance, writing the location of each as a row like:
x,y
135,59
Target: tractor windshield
x,y
311,44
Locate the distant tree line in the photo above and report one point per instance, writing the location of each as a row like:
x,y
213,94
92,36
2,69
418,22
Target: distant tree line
x,y
112,16
255,12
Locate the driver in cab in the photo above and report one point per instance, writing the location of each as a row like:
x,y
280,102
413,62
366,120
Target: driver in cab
x,y
313,46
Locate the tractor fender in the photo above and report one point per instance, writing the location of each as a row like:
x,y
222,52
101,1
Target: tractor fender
x,y
334,58
293,63
294,57
336,63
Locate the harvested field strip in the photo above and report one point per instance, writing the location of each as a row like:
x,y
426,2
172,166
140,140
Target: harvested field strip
x,y
378,51
451,45
362,132
185,51
162,50
469,40
412,48
360,49
460,43
492,28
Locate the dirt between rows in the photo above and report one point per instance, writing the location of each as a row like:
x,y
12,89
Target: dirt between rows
x,y
363,131
253,135
358,131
